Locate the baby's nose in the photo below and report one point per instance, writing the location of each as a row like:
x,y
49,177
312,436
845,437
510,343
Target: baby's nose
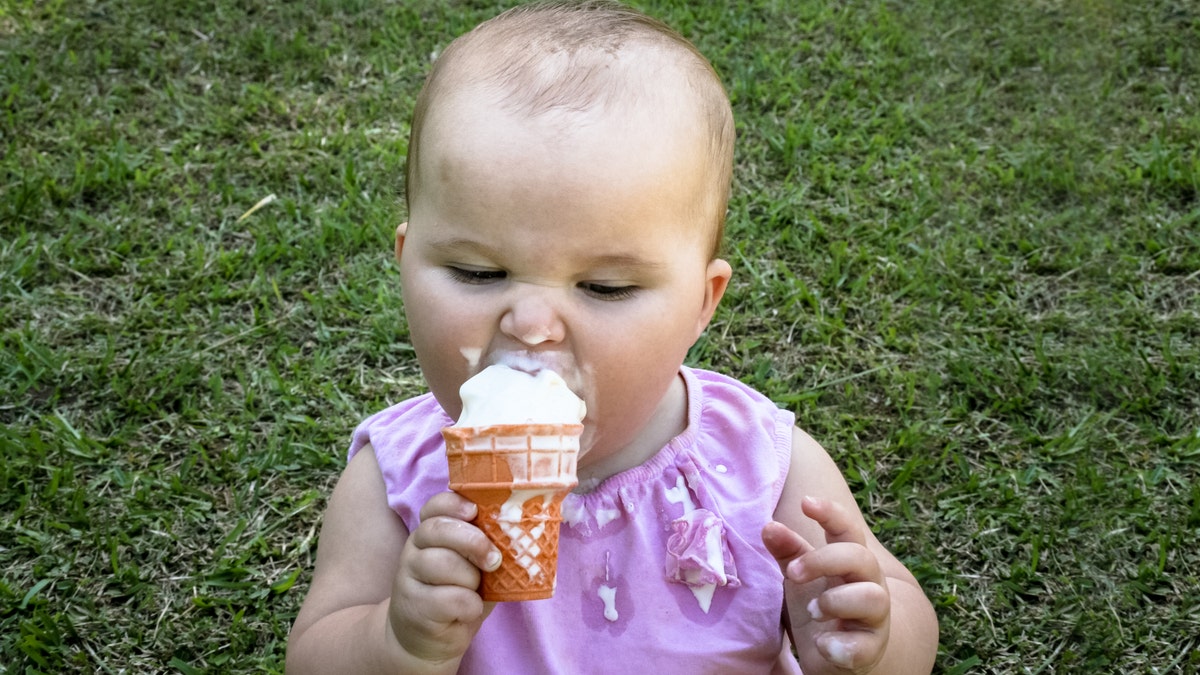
x,y
533,320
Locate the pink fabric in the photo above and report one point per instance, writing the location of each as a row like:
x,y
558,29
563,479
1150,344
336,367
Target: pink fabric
x,y
635,550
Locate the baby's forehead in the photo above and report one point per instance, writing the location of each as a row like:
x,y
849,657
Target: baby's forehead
x,y
631,78
474,127
548,79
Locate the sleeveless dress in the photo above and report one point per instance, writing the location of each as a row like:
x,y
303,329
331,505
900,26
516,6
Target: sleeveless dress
x,y
661,567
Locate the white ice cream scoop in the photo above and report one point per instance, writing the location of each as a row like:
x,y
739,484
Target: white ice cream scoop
x,y
502,395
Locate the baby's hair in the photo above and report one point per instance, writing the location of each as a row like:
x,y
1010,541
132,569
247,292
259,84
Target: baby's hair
x,y
548,57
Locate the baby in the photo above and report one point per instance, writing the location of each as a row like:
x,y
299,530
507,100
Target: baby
x,y
567,182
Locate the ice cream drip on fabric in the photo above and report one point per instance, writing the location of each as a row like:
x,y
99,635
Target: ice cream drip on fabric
x,y
698,554
502,395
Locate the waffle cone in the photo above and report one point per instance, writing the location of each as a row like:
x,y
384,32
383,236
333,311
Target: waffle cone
x,y
518,475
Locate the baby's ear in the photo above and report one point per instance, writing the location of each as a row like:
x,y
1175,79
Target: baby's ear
x,y
401,230
716,280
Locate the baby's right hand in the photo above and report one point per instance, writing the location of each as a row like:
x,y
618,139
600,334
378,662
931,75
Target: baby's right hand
x,y
435,609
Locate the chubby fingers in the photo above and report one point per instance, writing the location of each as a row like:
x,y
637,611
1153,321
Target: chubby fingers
x,y
858,605
446,533
449,504
783,543
855,651
848,563
857,633
837,522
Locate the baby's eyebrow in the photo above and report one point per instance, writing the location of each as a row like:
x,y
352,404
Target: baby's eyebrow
x,y
625,262
616,261
459,244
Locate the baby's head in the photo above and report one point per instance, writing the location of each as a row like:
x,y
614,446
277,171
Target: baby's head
x,y
568,176
564,64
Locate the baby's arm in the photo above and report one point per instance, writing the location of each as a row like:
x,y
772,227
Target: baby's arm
x,y
853,607
382,600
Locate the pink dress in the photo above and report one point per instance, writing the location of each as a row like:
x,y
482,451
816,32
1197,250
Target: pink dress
x,y
661,567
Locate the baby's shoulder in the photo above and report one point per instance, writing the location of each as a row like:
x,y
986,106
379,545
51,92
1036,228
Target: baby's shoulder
x,y
406,440
407,425
722,409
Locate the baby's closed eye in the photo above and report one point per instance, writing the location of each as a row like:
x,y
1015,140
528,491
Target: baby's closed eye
x,y
608,291
468,275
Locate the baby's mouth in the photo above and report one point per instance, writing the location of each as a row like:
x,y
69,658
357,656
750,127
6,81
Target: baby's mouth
x,y
571,371
535,362
526,362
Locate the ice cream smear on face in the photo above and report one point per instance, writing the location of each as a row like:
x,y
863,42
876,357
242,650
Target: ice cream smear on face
x,y
502,395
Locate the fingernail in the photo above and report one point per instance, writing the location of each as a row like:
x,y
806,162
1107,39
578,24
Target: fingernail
x,y
493,560
814,610
795,570
840,652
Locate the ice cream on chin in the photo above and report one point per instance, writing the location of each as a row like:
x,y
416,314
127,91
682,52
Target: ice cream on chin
x,y
513,453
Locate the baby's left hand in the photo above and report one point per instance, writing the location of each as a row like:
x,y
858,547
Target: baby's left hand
x,y
850,617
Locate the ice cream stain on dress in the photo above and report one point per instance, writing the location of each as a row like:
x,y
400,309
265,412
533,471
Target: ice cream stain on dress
x,y
698,554
681,495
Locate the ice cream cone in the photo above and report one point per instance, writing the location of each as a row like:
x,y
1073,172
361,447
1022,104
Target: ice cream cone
x,y
518,475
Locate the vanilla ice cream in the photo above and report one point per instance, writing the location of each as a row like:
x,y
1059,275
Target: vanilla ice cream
x,y
502,395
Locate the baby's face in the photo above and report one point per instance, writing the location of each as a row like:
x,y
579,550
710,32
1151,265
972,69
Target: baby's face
x,y
574,244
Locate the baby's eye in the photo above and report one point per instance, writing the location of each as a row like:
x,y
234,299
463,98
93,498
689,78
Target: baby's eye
x,y
607,292
473,276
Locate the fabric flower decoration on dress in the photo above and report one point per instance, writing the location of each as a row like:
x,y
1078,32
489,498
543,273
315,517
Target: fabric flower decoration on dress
x,y
698,555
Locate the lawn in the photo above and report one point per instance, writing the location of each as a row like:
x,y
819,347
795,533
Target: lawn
x,y
966,241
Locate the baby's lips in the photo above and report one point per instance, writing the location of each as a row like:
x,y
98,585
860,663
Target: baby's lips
x,y
533,362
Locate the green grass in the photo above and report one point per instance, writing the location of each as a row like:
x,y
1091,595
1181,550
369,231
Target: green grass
x,y
966,237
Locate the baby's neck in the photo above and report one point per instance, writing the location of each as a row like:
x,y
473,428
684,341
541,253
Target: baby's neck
x,y
668,421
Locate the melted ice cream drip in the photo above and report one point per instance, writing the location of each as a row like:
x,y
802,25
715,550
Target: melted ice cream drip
x,y
573,512
524,543
606,516
608,595
680,495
